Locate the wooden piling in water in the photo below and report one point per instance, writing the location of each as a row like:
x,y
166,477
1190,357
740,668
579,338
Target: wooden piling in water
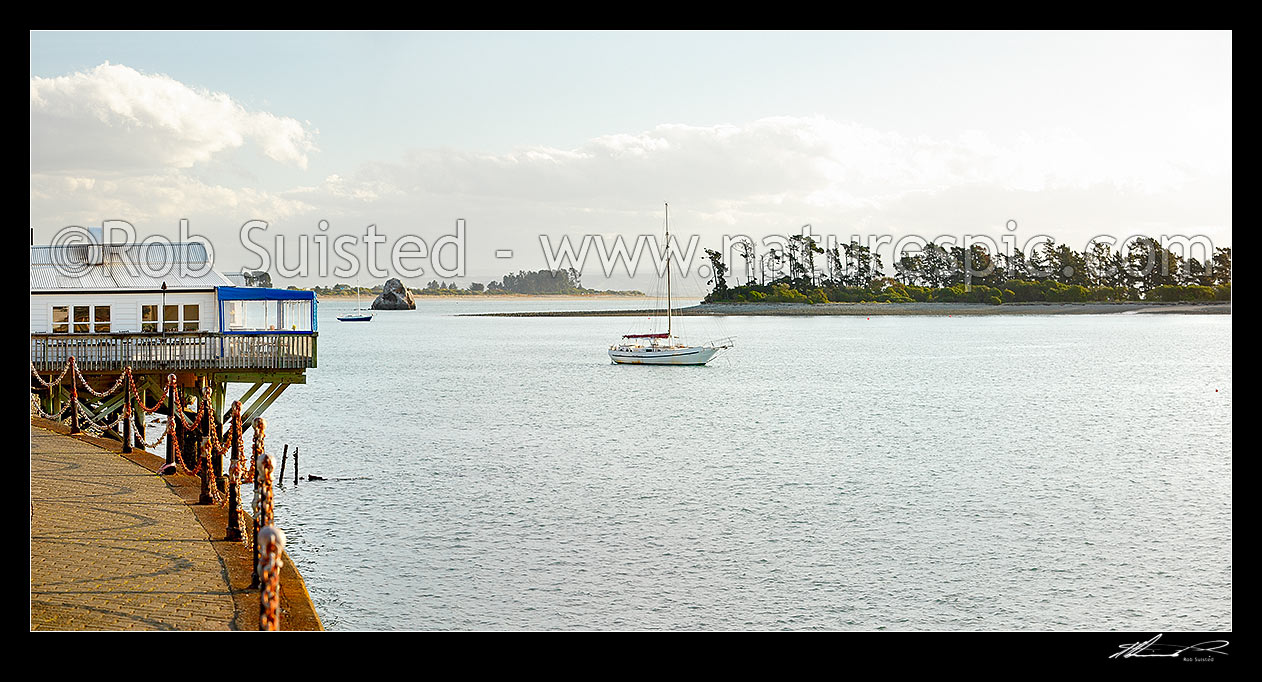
x,y
284,458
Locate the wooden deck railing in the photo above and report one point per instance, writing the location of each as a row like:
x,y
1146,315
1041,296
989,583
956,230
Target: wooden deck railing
x,y
183,351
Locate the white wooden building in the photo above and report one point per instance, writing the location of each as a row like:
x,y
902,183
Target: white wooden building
x,y
101,289
160,309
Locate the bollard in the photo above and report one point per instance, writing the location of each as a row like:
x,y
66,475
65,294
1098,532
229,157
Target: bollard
x,y
207,472
268,566
234,503
295,467
260,462
283,459
74,398
127,411
234,477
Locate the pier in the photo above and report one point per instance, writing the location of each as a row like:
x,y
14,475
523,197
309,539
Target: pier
x,y
120,331
116,547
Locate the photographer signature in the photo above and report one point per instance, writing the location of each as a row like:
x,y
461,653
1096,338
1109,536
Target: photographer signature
x,y
1155,650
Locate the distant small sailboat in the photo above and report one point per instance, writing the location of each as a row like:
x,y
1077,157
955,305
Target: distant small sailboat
x,y
358,314
662,349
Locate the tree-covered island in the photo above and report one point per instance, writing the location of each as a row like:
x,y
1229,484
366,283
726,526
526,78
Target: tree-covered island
x,y
804,272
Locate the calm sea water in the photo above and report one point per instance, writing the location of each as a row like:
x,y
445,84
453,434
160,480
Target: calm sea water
x,y
900,473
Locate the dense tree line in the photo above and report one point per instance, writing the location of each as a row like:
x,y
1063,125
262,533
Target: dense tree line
x,y
1051,272
566,282
540,282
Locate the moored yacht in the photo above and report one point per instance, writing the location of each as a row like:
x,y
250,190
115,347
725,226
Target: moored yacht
x,y
660,350
664,348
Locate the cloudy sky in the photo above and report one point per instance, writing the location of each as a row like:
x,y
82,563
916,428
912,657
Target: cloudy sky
x,y
1072,135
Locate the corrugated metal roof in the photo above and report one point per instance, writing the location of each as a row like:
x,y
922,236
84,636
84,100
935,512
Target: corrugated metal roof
x,y
155,254
131,266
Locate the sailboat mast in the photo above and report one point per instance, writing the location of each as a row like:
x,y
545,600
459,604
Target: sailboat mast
x,y
668,273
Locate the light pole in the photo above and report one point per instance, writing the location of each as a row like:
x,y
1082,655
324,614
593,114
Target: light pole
x,y
162,316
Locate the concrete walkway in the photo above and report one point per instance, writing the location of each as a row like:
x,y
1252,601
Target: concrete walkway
x,y
114,548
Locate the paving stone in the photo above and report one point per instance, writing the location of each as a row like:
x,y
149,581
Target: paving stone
x,y
113,548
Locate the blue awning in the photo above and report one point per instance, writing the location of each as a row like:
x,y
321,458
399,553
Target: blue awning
x,y
283,304
263,294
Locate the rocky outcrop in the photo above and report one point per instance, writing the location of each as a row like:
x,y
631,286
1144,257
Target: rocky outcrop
x,y
394,296
257,278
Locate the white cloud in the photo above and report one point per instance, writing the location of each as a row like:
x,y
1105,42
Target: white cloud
x,y
814,162
158,198
113,143
114,119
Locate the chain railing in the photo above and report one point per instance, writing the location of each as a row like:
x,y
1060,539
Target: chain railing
x,y
267,541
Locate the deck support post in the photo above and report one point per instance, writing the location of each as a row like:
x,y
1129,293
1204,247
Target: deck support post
x,y
173,431
74,398
138,416
126,416
217,390
234,478
207,471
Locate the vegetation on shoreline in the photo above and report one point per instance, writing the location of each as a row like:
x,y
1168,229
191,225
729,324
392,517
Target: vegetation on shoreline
x,y
1051,273
537,283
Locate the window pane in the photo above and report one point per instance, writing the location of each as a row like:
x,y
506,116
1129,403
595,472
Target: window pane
x,y
81,315
149,313
190,313
101,327
190,326
171,313
235,312
101,313
149,327
170,326
61,319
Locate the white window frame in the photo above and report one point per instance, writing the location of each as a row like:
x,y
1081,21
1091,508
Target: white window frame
x,y
180,321
52,322
70,321
140,317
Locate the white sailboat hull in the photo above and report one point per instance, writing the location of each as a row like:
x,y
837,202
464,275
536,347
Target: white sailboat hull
x,y
687,355
659,348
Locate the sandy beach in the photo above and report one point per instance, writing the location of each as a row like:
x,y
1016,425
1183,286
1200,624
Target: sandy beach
x,y
806,309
